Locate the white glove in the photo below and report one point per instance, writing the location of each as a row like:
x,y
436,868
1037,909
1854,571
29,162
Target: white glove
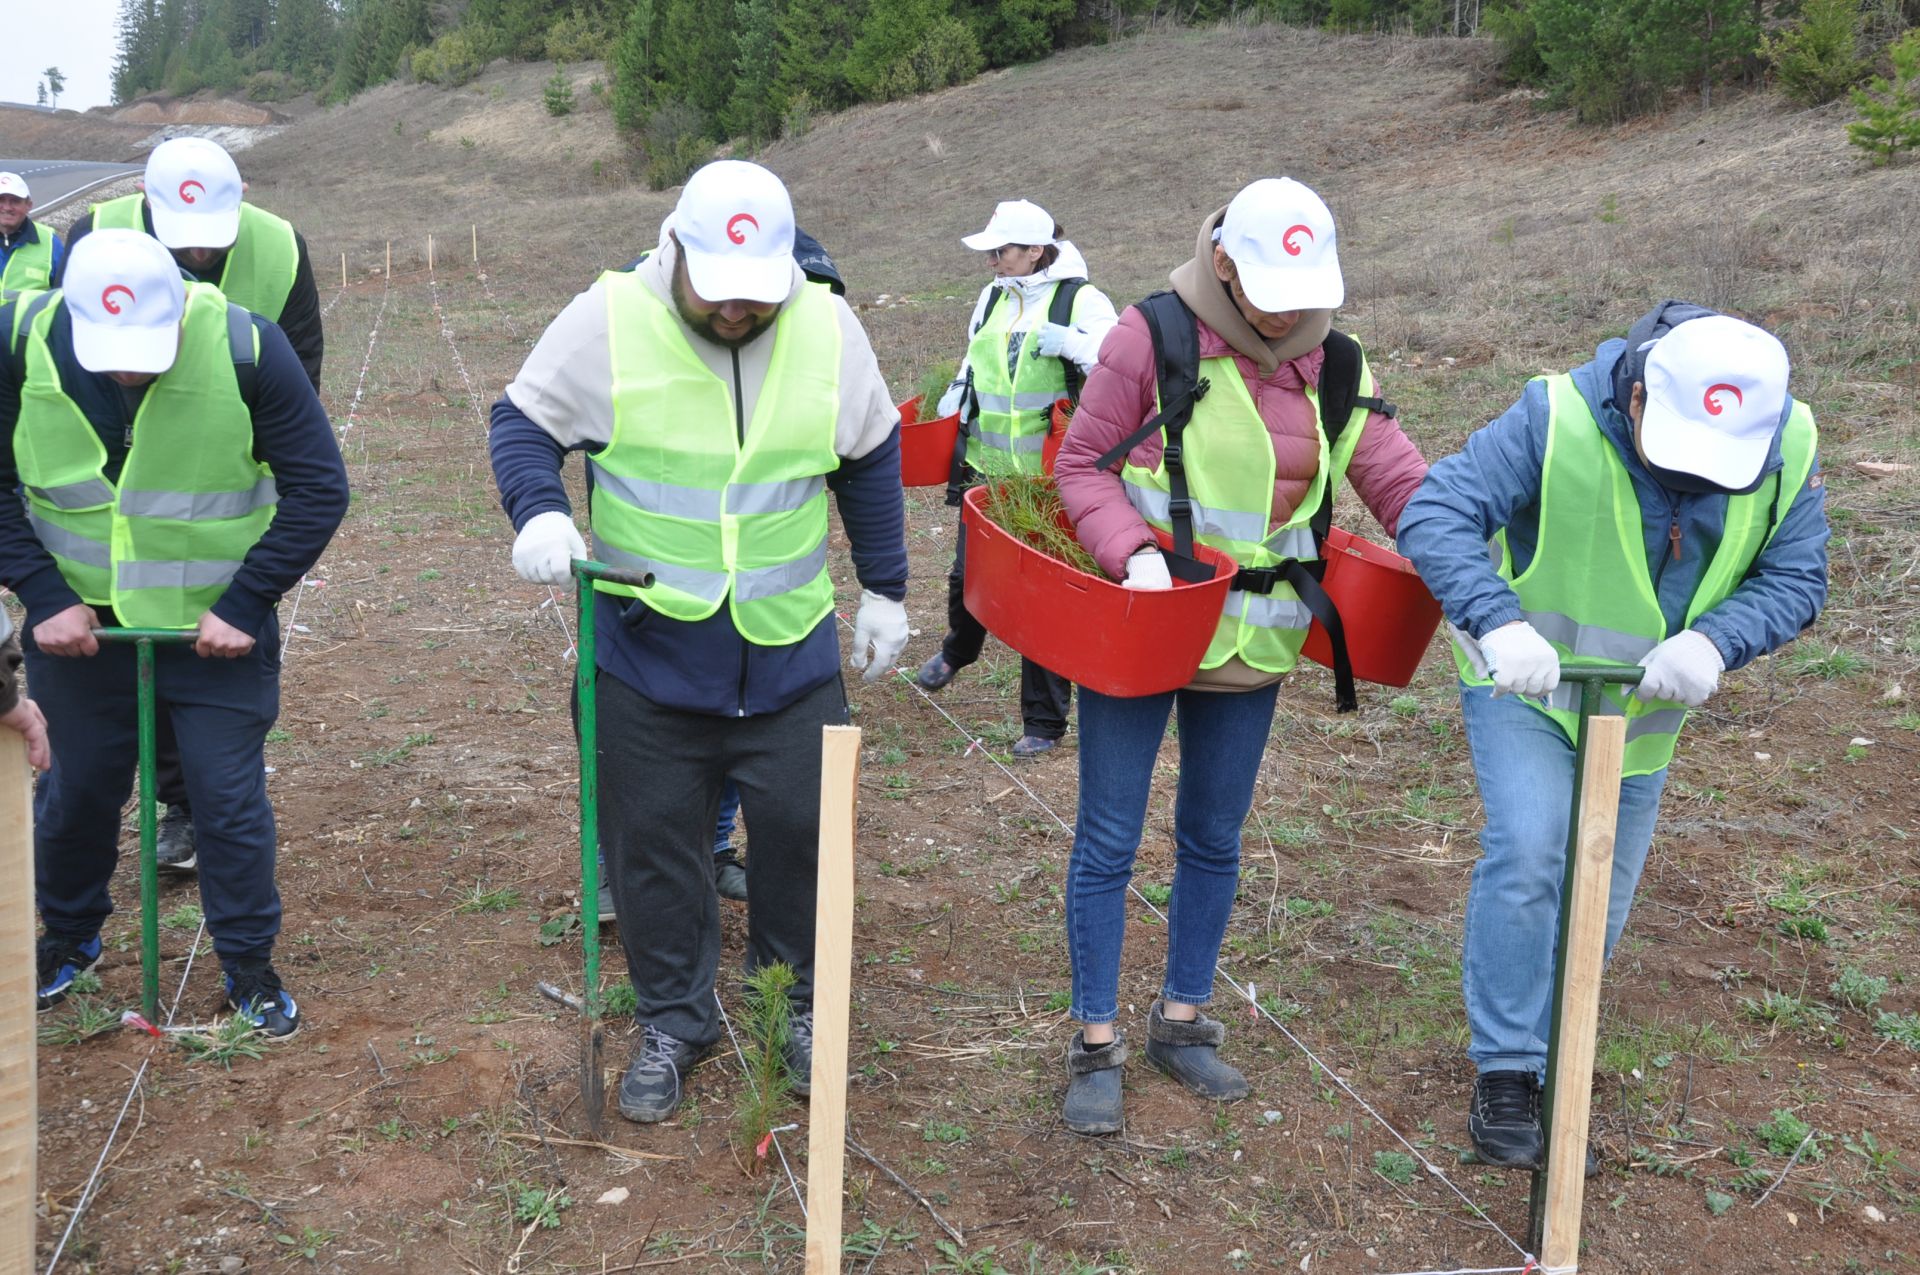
x,y
881,624
950,401
544,550
1686,667
1053,339
1520,661
1147,571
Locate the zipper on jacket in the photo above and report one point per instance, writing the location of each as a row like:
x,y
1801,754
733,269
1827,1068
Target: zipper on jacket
x,y
1673,538
1673,543
740,428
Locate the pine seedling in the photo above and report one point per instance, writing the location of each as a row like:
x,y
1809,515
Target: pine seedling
x,y
232,1038
768,1025
1027,507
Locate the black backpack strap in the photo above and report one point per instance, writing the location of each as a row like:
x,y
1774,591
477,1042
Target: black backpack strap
x,y
18,347
1176,350
246,365
1060,311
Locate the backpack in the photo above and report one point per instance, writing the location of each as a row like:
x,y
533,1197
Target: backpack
x,y
246,368
1059,311
1176,350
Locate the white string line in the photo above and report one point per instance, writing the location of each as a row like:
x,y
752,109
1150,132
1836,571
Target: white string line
x,y
373,335
327,309
446,330
1246,992
1531,1268
799,1196
88,1191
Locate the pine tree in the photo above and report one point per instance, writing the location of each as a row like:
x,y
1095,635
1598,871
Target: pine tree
x,y
1890,109
815,36
403,27
754,110
636,87
698,35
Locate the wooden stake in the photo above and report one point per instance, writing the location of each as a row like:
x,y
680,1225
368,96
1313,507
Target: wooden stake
x,y
832,974
18,1092
343,269
429,254
1584,959
389,258
476,245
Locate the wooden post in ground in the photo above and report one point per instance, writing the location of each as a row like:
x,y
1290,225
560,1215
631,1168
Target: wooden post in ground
x,y
389,259
19,1095
1583,960
343,270
429,254
832,977
476,245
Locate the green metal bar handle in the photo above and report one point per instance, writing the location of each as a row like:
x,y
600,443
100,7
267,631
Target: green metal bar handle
x,y
1593,679
143,640
586,699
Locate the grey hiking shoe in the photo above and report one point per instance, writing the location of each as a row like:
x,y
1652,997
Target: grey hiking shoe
x,y
800,1052
1093,1102
608,913
654,1084
1189,1052
730,877
1028,747
173,846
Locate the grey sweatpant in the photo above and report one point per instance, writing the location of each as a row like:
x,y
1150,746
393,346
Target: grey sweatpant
x,y
661,772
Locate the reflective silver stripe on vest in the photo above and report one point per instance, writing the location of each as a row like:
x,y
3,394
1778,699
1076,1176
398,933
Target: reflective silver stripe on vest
x,y
1666,721
695,504
70,544
198,506
1590,640
1013,443
708,586
1288,542
160,574
1025,401
751,584
1269,611
91,494
775,497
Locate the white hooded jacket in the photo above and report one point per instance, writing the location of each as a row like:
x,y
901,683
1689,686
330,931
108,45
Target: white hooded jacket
x,y
1026,294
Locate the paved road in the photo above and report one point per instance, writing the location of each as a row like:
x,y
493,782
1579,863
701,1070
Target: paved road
x,y
54,181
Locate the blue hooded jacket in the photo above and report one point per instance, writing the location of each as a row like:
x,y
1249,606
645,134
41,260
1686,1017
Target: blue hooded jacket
x,y
1494,482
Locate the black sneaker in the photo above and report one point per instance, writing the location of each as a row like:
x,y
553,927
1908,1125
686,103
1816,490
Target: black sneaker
x,y
800,1052
255,994
608,914
935,673
173,847
730,877
654,1084
1504,1121
58,962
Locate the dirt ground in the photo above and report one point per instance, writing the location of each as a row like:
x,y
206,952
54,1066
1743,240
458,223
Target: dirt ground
x,y
427,1118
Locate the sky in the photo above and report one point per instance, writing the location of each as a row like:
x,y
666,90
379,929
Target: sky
x,y
75,35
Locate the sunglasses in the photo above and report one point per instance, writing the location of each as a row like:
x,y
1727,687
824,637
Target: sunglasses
x,y
993,254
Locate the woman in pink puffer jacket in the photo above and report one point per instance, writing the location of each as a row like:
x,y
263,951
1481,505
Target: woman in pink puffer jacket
x,y
1262,287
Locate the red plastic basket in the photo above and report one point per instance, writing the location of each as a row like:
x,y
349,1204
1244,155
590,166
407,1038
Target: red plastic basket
x,y
1085,627
926,447
1057,430
1389,616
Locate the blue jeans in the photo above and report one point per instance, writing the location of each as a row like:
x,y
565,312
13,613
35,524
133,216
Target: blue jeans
x,y
729,814
1222,738
1524,766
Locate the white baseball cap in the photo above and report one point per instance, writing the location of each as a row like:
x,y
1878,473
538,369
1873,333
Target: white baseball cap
x,y
1280,237
14,184
734,222
126,297
193,191
1716,389
1018,221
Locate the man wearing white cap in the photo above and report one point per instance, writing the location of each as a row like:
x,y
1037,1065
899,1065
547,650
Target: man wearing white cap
x,y
193,204
1660,505
30,252
192,201
719,398
179,473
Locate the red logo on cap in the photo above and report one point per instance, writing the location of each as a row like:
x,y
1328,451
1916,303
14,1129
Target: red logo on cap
x,y
733,226
185,198
1287,242
107,302
1713,405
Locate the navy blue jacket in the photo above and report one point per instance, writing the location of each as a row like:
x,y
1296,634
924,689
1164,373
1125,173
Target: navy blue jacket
x,y
291,433
30,232
705,666
1494,482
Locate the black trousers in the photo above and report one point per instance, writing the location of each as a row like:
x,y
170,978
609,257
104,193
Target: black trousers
x,y
220,712
1045,696
662,772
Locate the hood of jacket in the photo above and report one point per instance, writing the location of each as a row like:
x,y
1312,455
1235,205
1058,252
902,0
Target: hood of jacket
x,y
1197,285
1028,289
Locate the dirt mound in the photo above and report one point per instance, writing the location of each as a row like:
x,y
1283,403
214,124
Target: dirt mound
x,y
160,109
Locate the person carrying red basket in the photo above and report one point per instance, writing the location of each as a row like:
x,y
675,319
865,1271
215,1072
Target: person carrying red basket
x,y
1207,419
1035,335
